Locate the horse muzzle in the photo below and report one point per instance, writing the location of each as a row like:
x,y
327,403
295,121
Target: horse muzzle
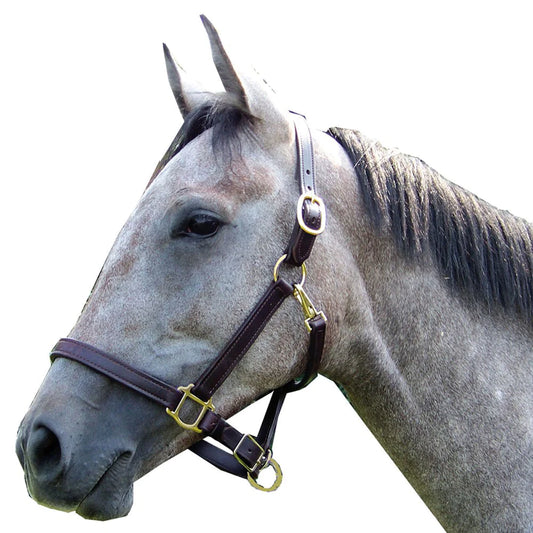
x,y
99,488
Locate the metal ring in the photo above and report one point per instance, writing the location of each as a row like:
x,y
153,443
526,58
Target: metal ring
x,y
278,264
277,482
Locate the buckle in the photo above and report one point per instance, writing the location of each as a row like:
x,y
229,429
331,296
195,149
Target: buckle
x,y
260,462
313,198
263,461
206,406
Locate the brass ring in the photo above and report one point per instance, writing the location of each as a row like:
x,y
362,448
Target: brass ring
x,y
278,264
277,482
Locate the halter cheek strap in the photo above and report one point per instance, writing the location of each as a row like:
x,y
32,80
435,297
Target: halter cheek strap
x,y
249,454
310,211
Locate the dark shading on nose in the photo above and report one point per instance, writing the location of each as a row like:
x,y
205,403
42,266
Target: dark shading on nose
x,y
42,453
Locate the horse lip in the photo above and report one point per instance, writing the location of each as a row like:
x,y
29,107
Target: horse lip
x,y
112,495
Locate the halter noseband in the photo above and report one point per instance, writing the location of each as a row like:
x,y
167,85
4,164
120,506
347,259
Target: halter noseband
x,y
249,454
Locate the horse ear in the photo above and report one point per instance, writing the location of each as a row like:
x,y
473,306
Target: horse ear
x,y
251,91
189,94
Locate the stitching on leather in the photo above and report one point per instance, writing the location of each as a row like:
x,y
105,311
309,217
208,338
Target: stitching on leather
x,y
250,341
304,251
106,371
141,374
111,374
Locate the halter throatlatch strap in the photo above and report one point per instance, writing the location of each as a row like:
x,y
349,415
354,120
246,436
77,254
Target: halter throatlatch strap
x,y
250,455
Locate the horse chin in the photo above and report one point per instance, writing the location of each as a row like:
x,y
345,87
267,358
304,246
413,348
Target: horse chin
x,y
112,496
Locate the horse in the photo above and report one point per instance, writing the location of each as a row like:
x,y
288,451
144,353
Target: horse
x,y
427,290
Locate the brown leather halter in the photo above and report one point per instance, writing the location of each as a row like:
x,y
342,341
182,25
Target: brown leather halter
x,y
249,454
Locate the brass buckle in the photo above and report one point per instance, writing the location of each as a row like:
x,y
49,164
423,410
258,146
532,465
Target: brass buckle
x,y
265,460
262,459
206,406
313,198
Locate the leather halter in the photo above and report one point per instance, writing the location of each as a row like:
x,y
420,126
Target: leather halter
x,y
249,454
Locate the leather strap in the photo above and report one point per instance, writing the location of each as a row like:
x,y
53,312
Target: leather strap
x,y
306,158
212,424
249,454
311,218
216,427
146,384
314,354
250,450
163,393
218,458
241,341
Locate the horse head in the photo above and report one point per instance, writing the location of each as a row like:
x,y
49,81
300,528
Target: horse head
x,y
183,273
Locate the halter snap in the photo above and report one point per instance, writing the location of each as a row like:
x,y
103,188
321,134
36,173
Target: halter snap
x,y
308,308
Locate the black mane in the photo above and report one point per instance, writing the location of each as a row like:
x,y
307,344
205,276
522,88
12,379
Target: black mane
x,y
477,247
226,117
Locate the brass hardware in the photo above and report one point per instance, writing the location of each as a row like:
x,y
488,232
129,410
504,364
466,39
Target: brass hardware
x,y
265,460
315,200
206,406
262,459
278,264
277,481
308,307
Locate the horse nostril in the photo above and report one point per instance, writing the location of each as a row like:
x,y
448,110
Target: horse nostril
x,y
43,450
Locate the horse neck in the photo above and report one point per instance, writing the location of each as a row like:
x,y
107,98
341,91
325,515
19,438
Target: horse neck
x,y
434,373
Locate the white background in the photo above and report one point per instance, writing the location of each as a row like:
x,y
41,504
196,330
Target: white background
x,y
86,113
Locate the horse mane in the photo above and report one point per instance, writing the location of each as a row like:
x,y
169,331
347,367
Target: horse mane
x,y
224,115
478,248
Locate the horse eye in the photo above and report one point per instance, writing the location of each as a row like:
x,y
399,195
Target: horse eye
x,y
199,225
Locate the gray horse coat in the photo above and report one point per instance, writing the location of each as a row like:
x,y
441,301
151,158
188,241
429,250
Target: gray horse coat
x,y
428,291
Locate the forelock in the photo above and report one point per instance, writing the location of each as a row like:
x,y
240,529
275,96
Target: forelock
x,y
225,116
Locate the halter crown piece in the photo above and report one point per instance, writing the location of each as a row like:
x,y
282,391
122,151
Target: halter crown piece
x,y
249,454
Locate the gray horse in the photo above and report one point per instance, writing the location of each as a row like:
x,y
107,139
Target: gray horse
x,y
428,292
